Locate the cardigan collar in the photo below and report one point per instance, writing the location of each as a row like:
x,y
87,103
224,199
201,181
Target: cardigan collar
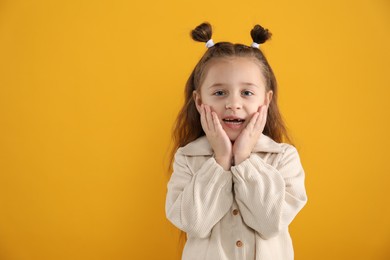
x,y
201,146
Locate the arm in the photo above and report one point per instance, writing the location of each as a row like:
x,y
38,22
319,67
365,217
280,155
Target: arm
x,y
269,198
195,202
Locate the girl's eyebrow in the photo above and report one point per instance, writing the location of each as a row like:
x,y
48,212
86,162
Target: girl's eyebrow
x,y
214,85
217,85
249,84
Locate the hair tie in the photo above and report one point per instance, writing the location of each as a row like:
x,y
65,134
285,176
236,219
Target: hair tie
x,y
255,45
209,43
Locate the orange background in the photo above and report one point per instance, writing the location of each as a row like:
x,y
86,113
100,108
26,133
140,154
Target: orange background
x,y
89,91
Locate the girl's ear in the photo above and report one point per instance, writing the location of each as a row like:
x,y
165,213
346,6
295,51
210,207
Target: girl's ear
x,y
268,98
197,100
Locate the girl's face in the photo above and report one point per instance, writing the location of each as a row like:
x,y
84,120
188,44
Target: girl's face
x,y
235,89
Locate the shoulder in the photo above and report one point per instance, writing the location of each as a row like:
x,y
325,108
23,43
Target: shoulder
x,y
266,144
285,152
198,147
276,154
194,155
290,161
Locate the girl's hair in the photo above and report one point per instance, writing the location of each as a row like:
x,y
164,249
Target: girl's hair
x,y
187,127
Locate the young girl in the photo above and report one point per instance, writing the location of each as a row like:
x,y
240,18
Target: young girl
x,y
235,186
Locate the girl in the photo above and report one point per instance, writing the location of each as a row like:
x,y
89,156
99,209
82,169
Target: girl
x,y
235,186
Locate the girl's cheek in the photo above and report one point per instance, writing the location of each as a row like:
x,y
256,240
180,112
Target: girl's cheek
x,y
208,104
212,108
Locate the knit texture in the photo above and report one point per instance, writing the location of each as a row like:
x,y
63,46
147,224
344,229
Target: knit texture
x,y
243,213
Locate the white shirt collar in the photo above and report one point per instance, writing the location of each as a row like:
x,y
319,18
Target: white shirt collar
x,y
201,146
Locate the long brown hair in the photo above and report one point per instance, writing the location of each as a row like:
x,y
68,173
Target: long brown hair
x,y
187,127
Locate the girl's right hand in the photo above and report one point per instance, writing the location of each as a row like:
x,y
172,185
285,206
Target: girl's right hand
x,y
216,136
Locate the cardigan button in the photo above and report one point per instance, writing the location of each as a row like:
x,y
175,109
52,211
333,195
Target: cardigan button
x,y
235,212
239,243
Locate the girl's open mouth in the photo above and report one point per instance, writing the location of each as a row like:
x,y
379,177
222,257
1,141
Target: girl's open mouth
x,y
233,123
236,121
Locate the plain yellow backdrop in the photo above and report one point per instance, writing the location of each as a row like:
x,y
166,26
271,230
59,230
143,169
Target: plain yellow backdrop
x,y
89,91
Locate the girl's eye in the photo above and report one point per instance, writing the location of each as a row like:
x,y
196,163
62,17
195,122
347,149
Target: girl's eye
x,y
219,93
247,93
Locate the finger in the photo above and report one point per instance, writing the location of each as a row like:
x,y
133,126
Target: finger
x,y
252,123
217,124
203,119
265,113
262,118
209,118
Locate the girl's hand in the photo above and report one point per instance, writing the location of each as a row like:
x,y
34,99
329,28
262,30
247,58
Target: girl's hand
x,y
249,136
216,136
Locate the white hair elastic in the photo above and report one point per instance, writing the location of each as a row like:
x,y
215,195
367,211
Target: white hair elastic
x,y
255,45
209,43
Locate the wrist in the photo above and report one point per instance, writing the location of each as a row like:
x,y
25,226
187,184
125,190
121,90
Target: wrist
x,y
239,158
224,161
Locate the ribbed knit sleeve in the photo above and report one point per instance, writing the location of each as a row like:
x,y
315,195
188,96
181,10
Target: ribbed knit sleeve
x,y
196,201
269,198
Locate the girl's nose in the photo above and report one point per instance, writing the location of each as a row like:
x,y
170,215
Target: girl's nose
x,y
233,103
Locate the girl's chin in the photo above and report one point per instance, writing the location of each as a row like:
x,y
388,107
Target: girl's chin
x,y
233,137
233,131
232,134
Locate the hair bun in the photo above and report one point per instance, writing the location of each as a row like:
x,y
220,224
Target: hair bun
x,y
202,33
260,35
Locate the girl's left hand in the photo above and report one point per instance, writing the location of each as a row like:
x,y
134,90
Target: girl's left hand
x,y
249,136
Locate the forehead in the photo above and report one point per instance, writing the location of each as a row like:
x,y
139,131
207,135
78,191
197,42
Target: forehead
x,y
233,70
